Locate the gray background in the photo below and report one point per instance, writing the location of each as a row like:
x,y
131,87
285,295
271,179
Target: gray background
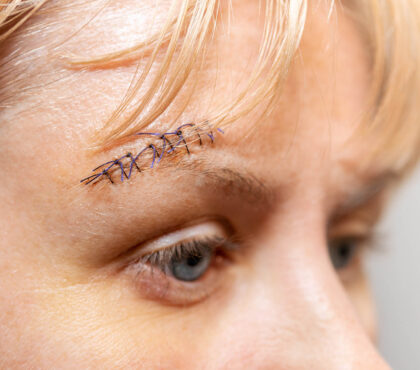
x,y
395,278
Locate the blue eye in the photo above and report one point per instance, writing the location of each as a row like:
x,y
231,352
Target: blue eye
x,y
188,260
190,266
342,252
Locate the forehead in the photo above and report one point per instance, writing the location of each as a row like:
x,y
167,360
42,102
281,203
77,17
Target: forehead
x,y
322,96
331,47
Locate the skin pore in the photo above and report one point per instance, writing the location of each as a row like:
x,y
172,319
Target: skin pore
x,y
74,291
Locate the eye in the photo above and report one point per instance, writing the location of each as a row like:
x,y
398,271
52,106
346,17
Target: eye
x,y
187,260
342,252
185,266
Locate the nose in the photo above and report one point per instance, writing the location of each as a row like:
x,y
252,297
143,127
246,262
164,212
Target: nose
x,y
290,311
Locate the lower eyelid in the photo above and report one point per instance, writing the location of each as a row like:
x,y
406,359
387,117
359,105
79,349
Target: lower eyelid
x,y
153,284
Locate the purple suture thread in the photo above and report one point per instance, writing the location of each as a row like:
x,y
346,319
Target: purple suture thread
x,y
151,146
132,164
181,139
129,161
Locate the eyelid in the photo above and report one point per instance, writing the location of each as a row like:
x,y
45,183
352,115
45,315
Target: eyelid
x,y
202,230
355,228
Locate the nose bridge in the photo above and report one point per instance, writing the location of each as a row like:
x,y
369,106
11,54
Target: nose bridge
x,y
305,325
292,312
306,297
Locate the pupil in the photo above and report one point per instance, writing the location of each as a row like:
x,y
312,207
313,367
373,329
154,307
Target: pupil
x,y
194,260
344,251
341,253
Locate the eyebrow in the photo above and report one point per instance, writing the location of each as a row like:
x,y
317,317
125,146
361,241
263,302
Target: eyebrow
x,y
254,190
241,184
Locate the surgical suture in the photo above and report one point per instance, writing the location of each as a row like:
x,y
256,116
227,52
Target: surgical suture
x,y
164,144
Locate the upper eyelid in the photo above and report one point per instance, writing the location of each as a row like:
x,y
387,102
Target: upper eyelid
x,y
130,159
209,229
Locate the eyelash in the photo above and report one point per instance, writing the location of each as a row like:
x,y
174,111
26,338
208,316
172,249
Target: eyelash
x,y
128,161
195,247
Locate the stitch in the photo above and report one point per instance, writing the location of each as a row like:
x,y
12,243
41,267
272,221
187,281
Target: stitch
x,y
199,136
211,136
210,133
103,172
166,140
178,132
163,150
181,138
132,162
91,178
154,154
129,161
113,163
141,152
122,169
196,129
109,177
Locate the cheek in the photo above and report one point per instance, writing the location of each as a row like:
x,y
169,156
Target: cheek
x,y
87,324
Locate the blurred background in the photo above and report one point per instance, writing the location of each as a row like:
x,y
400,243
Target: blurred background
x,y
395,278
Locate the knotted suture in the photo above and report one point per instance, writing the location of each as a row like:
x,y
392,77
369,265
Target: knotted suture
x,y
163,145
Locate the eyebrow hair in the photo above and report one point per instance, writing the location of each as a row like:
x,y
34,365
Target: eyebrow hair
x,y
245,184
252,190
242,184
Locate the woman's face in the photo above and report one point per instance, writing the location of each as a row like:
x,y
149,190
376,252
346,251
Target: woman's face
x,y
244,254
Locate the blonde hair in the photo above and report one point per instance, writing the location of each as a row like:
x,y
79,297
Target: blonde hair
x,y
391,28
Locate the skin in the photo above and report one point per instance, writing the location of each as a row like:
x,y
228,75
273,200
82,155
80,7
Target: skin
x,y
71,297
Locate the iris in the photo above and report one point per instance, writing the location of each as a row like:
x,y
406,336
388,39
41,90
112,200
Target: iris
x,y
191,266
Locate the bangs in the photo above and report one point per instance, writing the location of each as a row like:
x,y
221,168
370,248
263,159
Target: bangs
x,y
170,60
179,51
